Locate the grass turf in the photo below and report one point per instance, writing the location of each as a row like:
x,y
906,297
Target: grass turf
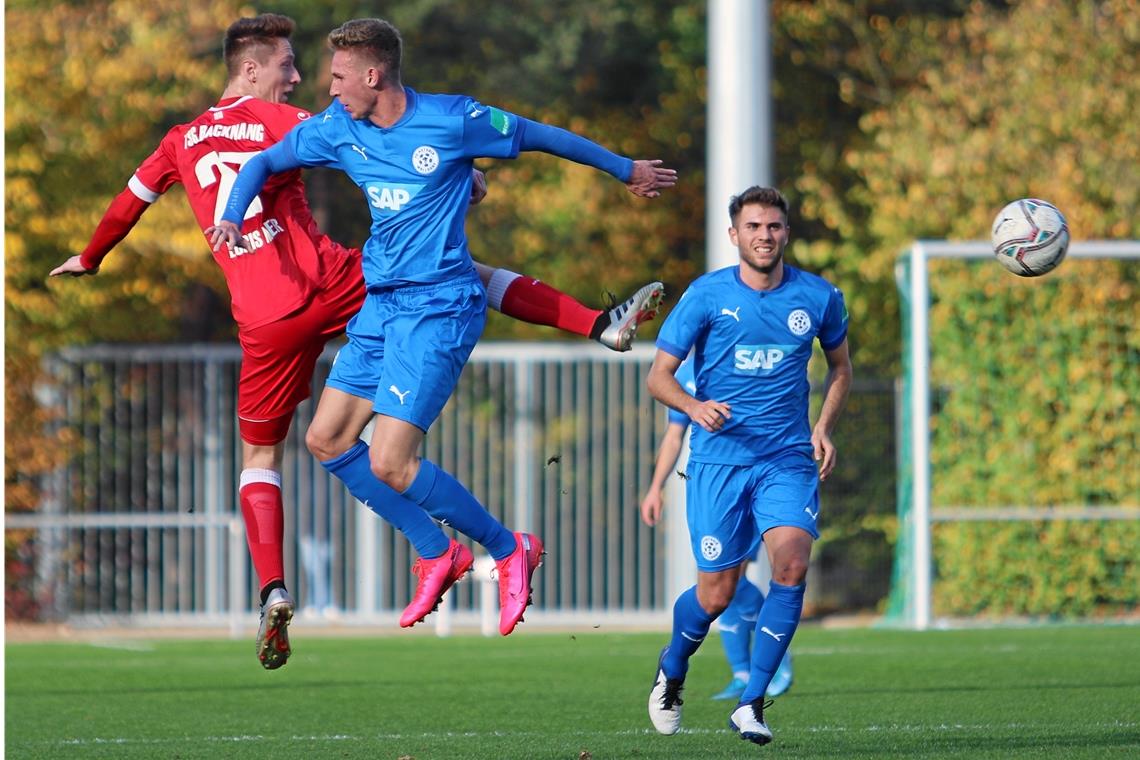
x,y
1059,691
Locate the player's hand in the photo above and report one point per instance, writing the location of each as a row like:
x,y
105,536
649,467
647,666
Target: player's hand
x,y
478,186
824,452
648,178
224,232
72,267
651,507
711,415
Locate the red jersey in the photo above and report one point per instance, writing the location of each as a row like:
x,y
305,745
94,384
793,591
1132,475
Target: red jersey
x,y
281,266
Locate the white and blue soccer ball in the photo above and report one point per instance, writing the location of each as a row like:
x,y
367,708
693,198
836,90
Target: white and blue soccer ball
x,y
1030,237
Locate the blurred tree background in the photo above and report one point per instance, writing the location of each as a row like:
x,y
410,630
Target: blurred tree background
x,y
895,120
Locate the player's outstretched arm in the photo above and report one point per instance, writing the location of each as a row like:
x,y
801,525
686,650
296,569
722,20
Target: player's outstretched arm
x,y
645,178
118,220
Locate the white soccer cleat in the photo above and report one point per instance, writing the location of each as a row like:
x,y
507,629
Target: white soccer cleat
x,y
748,721
626,317
273,634
665,702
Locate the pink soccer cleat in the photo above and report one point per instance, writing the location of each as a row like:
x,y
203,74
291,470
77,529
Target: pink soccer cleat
x,y
514,580
436,577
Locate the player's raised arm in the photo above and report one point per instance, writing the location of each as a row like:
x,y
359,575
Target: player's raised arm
x,y
644,178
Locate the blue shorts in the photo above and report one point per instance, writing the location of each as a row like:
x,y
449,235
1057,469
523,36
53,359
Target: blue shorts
x,y
407,347
730,507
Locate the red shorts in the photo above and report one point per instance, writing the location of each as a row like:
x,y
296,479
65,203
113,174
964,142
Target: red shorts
x,y
278,358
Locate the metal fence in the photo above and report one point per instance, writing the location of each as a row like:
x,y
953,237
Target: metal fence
x,y
142,526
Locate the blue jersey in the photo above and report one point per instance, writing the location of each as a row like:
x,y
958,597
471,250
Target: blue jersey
x,y
415,177
751,351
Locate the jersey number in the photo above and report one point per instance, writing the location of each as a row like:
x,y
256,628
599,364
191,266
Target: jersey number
x,y
223,168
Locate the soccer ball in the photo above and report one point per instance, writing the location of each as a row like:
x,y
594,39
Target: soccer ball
x,y
1030,237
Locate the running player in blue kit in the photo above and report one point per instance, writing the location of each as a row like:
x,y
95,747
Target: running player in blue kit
x,y
737,621
411,155
755,465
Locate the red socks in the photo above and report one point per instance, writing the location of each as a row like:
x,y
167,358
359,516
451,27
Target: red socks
x,y
264,515
534,301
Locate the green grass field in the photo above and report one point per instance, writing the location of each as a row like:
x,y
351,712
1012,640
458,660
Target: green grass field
x,y
1068,692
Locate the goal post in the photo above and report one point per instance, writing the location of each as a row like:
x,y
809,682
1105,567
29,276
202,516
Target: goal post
x,y
910,602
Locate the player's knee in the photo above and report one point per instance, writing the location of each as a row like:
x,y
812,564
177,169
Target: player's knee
x,y
393,472
714,600
791,571
322,446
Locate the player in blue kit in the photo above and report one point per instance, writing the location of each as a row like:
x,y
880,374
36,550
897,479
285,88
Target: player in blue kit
x,y
738,620
411,155
756,463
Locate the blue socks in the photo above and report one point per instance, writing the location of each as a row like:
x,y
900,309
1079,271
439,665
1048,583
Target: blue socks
x,y
736,624
354,470
690,626
774,630
448,501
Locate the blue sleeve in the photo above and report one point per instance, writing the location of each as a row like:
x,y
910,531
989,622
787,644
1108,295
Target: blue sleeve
x,y
534,135
678,418
834,329
252,178
680,330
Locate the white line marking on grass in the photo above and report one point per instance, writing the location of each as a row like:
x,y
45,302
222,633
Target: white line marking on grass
x,y
784,730
127,646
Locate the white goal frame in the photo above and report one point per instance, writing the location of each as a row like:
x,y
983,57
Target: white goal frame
x,y
923,516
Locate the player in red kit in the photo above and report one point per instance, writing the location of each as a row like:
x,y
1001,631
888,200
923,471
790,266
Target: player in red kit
x,y
292,288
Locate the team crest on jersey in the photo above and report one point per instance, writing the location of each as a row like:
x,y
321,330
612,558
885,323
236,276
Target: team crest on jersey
x,y
799,322
425,160
710,547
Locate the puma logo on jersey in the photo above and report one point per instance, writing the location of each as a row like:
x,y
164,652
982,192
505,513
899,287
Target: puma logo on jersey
x,y
360,150
735,313
399,395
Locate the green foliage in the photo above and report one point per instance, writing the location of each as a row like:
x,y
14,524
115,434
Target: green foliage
x,y
1037,381
1051,570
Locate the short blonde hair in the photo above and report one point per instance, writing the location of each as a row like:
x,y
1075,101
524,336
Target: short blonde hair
x,y
376,37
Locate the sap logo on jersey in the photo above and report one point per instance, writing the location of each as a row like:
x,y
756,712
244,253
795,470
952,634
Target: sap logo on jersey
x,y
755,360
390,197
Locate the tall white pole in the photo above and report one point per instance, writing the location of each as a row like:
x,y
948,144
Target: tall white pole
x,y
920,427
739,152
